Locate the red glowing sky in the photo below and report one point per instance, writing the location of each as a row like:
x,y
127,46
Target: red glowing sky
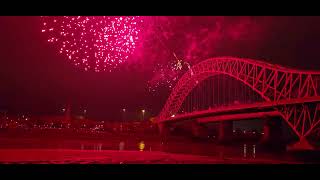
x,y
35,77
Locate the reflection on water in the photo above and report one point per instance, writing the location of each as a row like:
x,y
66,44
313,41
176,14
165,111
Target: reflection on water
x,y
121,145
141,145
249,151
98,147
245,150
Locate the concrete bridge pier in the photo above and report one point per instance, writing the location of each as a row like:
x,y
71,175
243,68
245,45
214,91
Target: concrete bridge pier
x,y
274,137
225,131
301,145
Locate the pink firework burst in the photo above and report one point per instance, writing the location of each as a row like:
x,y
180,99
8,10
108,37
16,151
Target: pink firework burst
x,y
99,43
164,76
167,75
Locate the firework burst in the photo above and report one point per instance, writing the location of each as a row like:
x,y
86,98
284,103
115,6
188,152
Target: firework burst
x,y
167,75
99,43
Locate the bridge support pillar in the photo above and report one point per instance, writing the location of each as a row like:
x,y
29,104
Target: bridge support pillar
x,y
301,145
272,131
225,131
198,130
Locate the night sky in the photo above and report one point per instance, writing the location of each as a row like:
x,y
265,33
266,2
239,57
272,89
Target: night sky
x,y
35,79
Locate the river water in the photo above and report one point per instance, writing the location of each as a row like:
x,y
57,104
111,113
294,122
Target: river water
x,y
250,150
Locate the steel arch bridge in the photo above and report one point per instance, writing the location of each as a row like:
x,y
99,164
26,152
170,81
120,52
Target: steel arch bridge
x,y
295,92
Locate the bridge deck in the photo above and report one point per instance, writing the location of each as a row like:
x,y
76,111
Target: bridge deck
x,y
238,116
240,108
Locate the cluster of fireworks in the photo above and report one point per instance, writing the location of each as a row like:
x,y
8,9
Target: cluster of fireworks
x,y
104,43
167,75
99,43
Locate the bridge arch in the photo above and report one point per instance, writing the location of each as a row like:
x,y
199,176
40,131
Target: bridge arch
x,y
272,82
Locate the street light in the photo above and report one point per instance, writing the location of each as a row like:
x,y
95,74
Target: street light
x,y
143,111
85,114
123,115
